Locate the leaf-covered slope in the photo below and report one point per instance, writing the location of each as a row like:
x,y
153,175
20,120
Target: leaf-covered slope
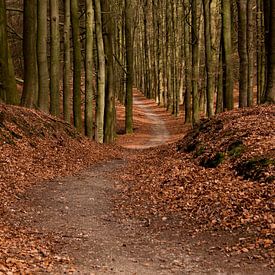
x,y
202,176
35,146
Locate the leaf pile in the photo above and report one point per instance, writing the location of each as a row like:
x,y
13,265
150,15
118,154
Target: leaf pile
x,y
201,179
35,147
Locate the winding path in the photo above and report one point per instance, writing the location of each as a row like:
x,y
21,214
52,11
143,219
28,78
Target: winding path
x,y
79,210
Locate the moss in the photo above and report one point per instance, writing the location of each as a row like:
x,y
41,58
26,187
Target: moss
x,y
256,169
236,148
199,151
214,161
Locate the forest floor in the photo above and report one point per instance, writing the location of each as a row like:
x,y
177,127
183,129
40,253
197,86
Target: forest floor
x,y
70,206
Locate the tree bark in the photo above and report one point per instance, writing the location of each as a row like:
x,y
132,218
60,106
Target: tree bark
x,y
129,67
67,62
29,52
42,58
89,69
77,66
55,53
227,44
101,75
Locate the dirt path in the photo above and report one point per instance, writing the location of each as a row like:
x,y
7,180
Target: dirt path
x,y
80,210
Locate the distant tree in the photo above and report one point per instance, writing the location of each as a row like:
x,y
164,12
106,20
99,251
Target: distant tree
x,y
55,55
42,58
29,52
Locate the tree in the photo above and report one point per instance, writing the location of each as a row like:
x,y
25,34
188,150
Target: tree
x,y
227,48
210,77
188,63
129,67
29,52
195,61
89,69
76,66
101,75
243,52
8,91
109,109
43,74
269,13
67,62
55,55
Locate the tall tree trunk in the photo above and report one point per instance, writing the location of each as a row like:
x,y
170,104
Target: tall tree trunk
x,y
55,53
195,62
129,67
109,111
188,64
101,75
269,12
89,69
250,49
210,85
261,60
29,52
227,44
42,58
67,62
243,52
76,66
8,91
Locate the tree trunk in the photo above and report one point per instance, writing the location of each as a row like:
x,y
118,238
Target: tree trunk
x,y
67,62
55,52
109,110
29,52
101,75
76,66
187,65
210,78
89,69
227,44
261,60
129,67
195,62
8,91
243,52
42,58
269,13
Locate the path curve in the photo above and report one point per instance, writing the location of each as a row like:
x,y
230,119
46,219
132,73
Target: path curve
x,y
158,134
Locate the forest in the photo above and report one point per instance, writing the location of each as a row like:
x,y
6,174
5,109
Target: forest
x,y
137,137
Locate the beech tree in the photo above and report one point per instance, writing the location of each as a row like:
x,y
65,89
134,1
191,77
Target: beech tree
x,y
89,69
101,75
77,59
67,61
29,52
42,58
129,66
8,91
54,58
269,12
